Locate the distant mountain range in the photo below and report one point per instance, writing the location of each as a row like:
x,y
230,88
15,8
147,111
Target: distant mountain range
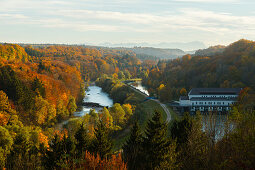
x,y
189,46
147,51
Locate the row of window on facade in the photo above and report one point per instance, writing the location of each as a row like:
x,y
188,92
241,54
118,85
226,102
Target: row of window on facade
x,y
210,103
218,96
210,108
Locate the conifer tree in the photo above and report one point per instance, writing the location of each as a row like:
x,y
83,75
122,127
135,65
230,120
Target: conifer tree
x,y
159,152
82,140
181,129
132,149
53,154
68,148
101,144
38,86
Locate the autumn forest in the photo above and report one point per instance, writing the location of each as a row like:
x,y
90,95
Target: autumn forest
x,y
42,86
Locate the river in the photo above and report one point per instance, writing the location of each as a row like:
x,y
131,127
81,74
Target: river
x,y
94,94
138,85
215,124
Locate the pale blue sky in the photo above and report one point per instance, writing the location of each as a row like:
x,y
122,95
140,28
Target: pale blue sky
x,y
126,21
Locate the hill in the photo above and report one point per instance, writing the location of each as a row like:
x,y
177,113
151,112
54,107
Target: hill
x,y
210,51
187,46
157,52
234,67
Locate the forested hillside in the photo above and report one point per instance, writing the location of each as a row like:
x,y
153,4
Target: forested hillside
x,y
210,51
41,85
157,52
234,67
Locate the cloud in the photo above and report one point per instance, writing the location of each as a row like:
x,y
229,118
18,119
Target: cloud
x,y
88,15
15,16
110,21
208,1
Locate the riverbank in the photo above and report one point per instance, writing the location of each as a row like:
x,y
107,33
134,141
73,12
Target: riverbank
x,y
95,99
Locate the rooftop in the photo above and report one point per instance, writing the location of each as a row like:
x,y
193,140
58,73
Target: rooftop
x,y
184,97
215,91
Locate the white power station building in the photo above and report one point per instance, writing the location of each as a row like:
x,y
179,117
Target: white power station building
x,y
209,99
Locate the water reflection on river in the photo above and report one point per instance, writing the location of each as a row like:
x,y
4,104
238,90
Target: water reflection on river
x,y
96,95
216,125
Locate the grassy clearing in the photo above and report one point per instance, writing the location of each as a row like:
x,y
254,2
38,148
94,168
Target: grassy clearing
x,y
144,110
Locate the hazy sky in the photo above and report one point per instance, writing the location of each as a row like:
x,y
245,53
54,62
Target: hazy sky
x,y
120,21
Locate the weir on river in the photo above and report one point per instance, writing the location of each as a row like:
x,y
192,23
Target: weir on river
x,y
95,99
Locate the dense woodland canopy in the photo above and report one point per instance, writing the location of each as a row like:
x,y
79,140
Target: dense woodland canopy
x,y
234,67
41,85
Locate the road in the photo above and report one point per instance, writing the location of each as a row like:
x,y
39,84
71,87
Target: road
x,y
168,119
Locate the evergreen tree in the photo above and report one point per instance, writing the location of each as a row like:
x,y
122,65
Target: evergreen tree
x,y
37,86
82,140
132,149
181,129
68,148
53,154
101,144
159,152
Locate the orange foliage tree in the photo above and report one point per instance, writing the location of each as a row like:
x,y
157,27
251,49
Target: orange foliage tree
x,y
92,162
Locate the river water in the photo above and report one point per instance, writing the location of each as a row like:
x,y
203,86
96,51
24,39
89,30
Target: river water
x,y
138,85
215,124
95,94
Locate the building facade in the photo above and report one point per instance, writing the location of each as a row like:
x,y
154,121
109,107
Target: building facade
x,y
209,99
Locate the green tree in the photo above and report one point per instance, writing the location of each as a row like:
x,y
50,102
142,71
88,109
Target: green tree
x,y
93,119
127,74
82,140
121,75
159,151
195,152
43,112
132,149
118,114
5,106
52,156
107,118
101,144
60,154
180,129
6,143
71,106
24,153
128,110
37,85
62,112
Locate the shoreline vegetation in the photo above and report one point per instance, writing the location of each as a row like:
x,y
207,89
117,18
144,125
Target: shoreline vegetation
x,y
42,85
